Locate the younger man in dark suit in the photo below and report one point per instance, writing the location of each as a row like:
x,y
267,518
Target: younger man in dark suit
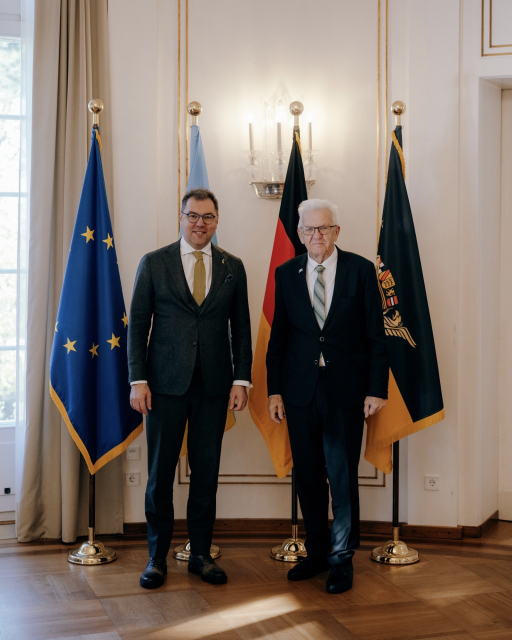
x,y
188,295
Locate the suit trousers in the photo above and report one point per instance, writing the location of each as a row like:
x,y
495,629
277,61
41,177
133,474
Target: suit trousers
x,y
326,446
165,429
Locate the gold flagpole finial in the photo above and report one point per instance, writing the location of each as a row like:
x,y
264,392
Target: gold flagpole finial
x,y
95,107
296,108
398,109
195,109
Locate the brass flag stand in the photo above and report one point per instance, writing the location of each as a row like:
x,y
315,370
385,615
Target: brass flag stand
x,y
395,551
92,551
292,549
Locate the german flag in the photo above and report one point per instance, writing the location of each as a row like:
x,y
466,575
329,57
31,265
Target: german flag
x,y
414,400
286,246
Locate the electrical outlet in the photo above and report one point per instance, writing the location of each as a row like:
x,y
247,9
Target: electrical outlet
x,y
133,452
432,483
132,478
7,490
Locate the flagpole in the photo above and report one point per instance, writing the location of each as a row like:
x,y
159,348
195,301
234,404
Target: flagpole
x,y
292,549
92,552
395,551
182,551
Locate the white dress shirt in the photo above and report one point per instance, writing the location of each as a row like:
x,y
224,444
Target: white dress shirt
x,y
188,260
329,275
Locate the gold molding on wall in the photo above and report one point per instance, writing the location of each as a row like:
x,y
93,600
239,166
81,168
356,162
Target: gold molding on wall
x,y
488,24
491,45
183,466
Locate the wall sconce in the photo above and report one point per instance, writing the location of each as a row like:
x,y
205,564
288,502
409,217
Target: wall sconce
x,y
268,177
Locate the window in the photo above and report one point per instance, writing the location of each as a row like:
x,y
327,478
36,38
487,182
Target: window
x,y
10,110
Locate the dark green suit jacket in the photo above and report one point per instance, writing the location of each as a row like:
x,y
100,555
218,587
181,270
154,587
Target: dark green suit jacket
x,y
180,327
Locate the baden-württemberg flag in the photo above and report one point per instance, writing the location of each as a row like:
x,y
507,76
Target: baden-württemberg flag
x,y
415,400
88,365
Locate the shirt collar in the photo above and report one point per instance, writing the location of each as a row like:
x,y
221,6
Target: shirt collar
x,y
186,248
329,264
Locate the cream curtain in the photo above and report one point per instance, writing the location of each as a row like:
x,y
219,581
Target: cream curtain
x,y
70,66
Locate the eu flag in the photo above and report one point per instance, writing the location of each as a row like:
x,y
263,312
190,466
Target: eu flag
x,y
88,365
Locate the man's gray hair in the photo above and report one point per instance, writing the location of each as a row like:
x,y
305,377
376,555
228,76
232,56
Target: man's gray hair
x,y
316,204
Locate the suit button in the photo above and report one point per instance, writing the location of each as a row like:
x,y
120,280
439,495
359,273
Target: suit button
x,y
316,361
322,339
194,344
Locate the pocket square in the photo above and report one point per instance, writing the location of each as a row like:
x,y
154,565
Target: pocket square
x,y
229,277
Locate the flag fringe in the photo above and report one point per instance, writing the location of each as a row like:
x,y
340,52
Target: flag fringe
x,y
400,152
408,430
107,457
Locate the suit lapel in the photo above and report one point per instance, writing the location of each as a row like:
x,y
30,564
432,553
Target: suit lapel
x,y
339,282
174,265
303,286
219,272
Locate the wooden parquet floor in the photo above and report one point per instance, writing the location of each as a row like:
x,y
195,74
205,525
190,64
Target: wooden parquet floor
x,y
460,590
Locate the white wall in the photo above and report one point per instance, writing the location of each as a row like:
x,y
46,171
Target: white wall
x,y
505,437
327,58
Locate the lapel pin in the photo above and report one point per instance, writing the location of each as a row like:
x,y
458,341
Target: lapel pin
x,y
301,270
223,261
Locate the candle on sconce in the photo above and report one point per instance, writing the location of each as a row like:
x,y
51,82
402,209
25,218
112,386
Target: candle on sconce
x,y
251,133
310,130
279,120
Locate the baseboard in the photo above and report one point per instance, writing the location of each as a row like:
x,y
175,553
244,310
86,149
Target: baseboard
x,y
276,528
478,532
228,528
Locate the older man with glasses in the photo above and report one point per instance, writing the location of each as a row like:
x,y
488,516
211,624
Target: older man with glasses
x,y
187,297
327,363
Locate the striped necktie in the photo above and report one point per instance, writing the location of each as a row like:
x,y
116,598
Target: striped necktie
x,y
319,296
199,278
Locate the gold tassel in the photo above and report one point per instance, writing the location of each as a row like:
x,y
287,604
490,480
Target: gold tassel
x,y
297,137
98,138
400,152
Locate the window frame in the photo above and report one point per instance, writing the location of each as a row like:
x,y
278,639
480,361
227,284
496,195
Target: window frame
x,y
10,28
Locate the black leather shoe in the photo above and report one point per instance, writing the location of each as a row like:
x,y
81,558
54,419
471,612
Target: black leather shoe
x,y
205,567
308,568
340,577
154,574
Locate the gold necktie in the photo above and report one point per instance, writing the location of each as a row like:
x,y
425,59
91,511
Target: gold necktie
x,y
199,278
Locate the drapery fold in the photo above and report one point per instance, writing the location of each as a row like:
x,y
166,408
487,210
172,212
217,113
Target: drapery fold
x,y
70,67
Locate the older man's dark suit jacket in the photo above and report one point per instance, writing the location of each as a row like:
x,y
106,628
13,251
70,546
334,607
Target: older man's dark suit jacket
x,y
181,327
352,341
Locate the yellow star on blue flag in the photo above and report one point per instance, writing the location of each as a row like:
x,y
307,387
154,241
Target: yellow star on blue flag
x,y
92,392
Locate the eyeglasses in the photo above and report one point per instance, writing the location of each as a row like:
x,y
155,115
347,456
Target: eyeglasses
x,y
208,218
309,231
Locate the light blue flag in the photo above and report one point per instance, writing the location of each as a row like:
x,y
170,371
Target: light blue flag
x,y
198,177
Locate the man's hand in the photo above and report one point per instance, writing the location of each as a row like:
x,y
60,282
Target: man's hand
x,y
237,397
373,405
276,409
140,398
